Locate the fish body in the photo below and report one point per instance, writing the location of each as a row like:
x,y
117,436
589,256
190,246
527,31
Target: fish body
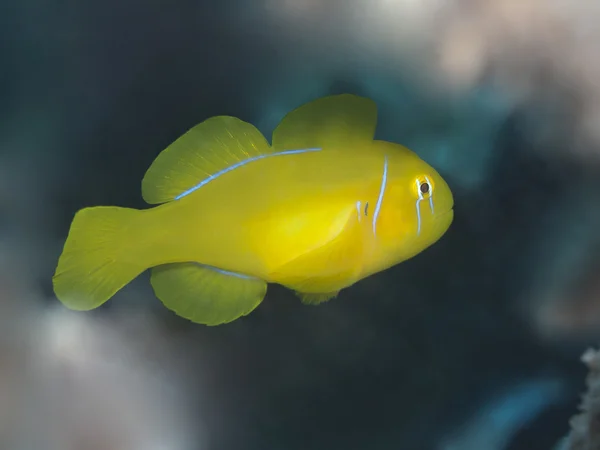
x,y
320,208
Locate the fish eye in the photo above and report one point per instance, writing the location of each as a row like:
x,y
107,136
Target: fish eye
x,y
423,187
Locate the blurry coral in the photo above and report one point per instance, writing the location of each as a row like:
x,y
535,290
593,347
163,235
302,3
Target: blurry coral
x,y
585,427
540,54
104,383
72,381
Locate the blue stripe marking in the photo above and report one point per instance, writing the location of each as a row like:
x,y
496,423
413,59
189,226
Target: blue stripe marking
x,y
418,210
430,195
233,274
227,272
242,163
381,191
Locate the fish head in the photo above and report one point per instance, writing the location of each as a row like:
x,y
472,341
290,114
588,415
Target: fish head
x,y
432,201
418,205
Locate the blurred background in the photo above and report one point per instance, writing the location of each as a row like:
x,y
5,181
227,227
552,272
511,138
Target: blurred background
x,y
475,344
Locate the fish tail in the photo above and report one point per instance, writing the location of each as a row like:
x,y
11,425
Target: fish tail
x,y
102,254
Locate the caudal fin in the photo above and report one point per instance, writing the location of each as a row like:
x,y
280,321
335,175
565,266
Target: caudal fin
x,y
99,257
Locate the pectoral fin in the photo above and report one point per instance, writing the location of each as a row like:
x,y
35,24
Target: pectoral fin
x,y
206,295
319,274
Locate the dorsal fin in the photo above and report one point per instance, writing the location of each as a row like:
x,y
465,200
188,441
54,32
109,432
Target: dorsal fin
x,y
327,121
206,149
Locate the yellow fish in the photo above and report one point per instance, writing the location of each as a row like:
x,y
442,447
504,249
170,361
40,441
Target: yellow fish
x,y
322,207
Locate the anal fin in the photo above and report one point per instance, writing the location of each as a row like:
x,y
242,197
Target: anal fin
x,y
204,294
316,299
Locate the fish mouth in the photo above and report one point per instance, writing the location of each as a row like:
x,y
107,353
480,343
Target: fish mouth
x,y
444,214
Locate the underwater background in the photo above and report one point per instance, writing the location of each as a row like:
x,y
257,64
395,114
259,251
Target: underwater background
x,y
475,344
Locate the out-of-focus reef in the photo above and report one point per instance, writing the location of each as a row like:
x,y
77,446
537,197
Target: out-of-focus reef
x,y
472,345
585,432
